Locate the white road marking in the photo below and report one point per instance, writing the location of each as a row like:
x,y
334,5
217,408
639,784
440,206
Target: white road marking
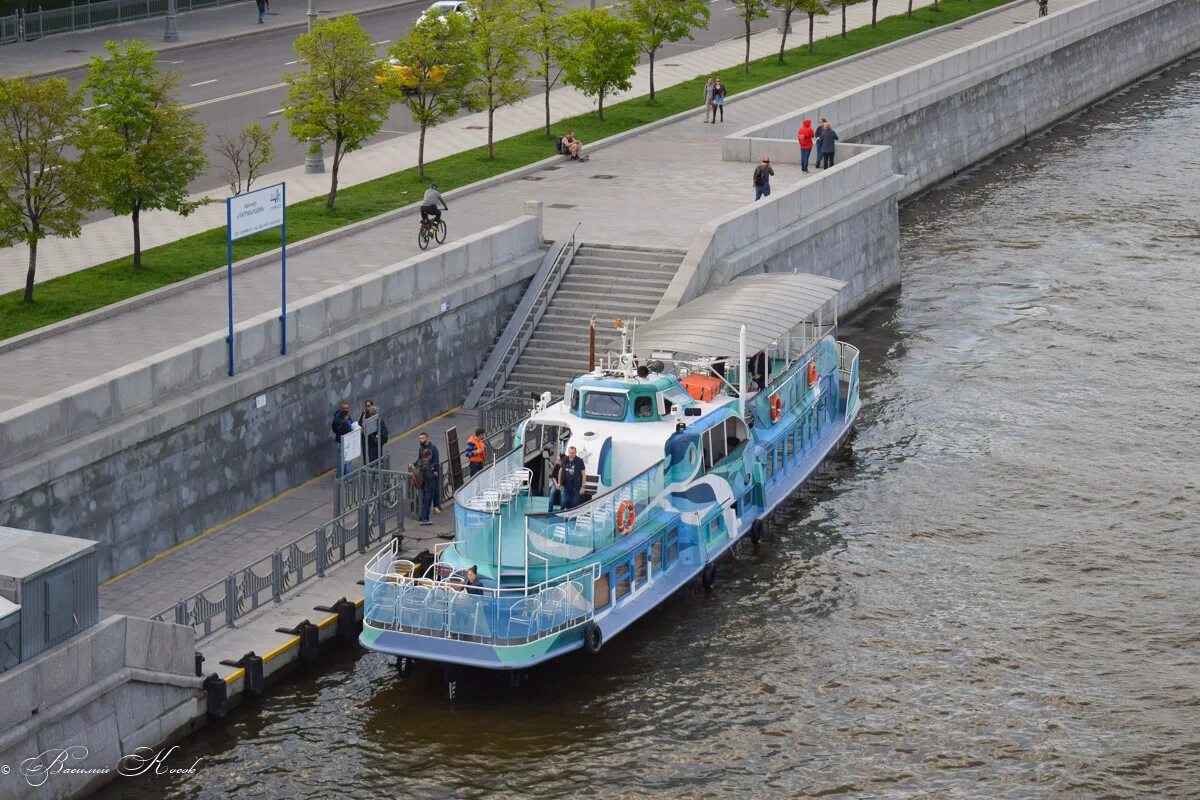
x,y
273,113
381,41
235,95
203,83
162,61
102,105
289,63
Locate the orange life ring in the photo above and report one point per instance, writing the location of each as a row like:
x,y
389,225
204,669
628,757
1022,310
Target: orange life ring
x,y
776,408
812,373
626,514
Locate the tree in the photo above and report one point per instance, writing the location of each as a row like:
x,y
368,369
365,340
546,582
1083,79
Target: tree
x,y
147,146
814,9
874,11
45,190
599,53
336,99
542,18
439,56
246,154
749,10
843,4
499,41
661,21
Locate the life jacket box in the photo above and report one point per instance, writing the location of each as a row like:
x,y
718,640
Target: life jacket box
x,y
702,387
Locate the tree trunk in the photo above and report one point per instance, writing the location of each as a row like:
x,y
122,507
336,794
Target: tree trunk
x,y
337,163
787,25
600,107
910,8
811,18
652,50
491,130
33,242
843,20
746,62
874,11
546,81
137,236
421,153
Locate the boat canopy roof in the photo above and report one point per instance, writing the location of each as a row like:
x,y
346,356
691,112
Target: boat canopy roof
x,y
768,305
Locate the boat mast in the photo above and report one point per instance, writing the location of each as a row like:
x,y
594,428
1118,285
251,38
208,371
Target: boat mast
x,y
742,372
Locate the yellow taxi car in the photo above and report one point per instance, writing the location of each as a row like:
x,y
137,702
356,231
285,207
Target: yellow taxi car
x,y
401,73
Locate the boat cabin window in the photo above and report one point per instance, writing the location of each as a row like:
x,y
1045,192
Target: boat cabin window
x,y
721,440
643,407
604,405
575,401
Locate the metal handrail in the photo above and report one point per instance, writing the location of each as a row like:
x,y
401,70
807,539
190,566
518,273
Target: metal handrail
x,y
502,359
27,25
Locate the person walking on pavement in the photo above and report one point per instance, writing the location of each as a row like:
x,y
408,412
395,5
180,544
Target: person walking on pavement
x,y
1043,7
827,136
718,101
476,452
431,474
805,136
709,85
816,162
262,10
342,425
762,178
571,479
424,444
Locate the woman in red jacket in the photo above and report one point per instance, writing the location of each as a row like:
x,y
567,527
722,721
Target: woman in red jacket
x,y
805,137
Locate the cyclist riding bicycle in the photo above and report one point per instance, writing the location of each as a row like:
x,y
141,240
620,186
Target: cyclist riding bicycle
x,y
429,204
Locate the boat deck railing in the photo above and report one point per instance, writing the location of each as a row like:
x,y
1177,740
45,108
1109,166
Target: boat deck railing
x,y
441,606
562,537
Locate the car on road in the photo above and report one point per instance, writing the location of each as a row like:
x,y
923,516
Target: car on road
x,y
393,70
445,7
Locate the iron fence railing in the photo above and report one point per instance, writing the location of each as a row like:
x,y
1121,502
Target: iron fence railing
x,y
25,26
245,589
505,410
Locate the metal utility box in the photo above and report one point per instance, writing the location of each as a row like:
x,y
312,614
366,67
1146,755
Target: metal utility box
x,y
10,634
54,580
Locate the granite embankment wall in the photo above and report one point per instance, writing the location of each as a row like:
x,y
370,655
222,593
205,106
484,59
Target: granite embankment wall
x,y
841,223
944,115
123,684
145,457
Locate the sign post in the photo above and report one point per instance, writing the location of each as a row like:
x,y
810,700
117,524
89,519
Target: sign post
x,y
245,215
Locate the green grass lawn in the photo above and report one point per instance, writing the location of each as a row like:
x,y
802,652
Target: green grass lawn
x,y
64,297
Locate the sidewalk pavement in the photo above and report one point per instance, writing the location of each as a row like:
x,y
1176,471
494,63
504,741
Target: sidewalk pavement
x,y
210,556
112,237
652,190
64,51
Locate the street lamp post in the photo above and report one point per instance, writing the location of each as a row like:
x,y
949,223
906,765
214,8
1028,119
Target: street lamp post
x,y
314,160
171,33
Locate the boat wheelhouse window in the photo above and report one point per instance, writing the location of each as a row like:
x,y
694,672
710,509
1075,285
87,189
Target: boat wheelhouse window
x,y
605,405
643,407
575,401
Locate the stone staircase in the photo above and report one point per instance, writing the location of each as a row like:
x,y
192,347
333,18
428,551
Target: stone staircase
x,y
607,282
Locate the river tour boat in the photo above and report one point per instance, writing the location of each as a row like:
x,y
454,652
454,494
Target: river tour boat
x,y
706,420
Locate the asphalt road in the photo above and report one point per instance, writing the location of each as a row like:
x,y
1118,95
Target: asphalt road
x,y
233,83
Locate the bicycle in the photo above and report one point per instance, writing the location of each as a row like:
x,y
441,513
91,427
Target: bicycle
x,y
431,230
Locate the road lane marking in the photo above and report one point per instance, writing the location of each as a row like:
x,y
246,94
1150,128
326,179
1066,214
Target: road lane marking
x,y
102,105
236,95
203,83
381,41
273,113
162,61
289,63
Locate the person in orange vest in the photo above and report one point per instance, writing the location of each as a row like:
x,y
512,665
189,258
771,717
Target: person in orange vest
x,y
476,452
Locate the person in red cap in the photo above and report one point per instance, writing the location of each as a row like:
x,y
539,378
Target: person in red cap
x,y
762,178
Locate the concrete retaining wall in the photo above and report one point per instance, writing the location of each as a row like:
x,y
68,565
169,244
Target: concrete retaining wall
x,y
841,223
168,447
948,113
123,684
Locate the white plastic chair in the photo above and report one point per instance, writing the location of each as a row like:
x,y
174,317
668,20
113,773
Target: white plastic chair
x,y
524,613
551,608
523,477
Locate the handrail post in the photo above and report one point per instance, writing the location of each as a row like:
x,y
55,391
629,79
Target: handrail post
x,y
277,575
230,600
321,554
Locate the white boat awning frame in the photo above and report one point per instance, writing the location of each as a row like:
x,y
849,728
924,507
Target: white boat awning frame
x,y
768,305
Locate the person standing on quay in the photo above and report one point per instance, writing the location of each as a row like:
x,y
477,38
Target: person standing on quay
x,y
805,136
424,444
262,10
718,101
709,85
431,483
827,137
342,425
762,178
476,452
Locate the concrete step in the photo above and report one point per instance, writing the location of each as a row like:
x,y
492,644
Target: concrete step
x,y
617,296
631,253
623,271
606,283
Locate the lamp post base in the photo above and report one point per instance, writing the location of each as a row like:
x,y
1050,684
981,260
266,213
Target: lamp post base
x,y
314,161
171,32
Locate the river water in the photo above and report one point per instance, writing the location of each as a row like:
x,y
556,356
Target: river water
x,y
995,593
